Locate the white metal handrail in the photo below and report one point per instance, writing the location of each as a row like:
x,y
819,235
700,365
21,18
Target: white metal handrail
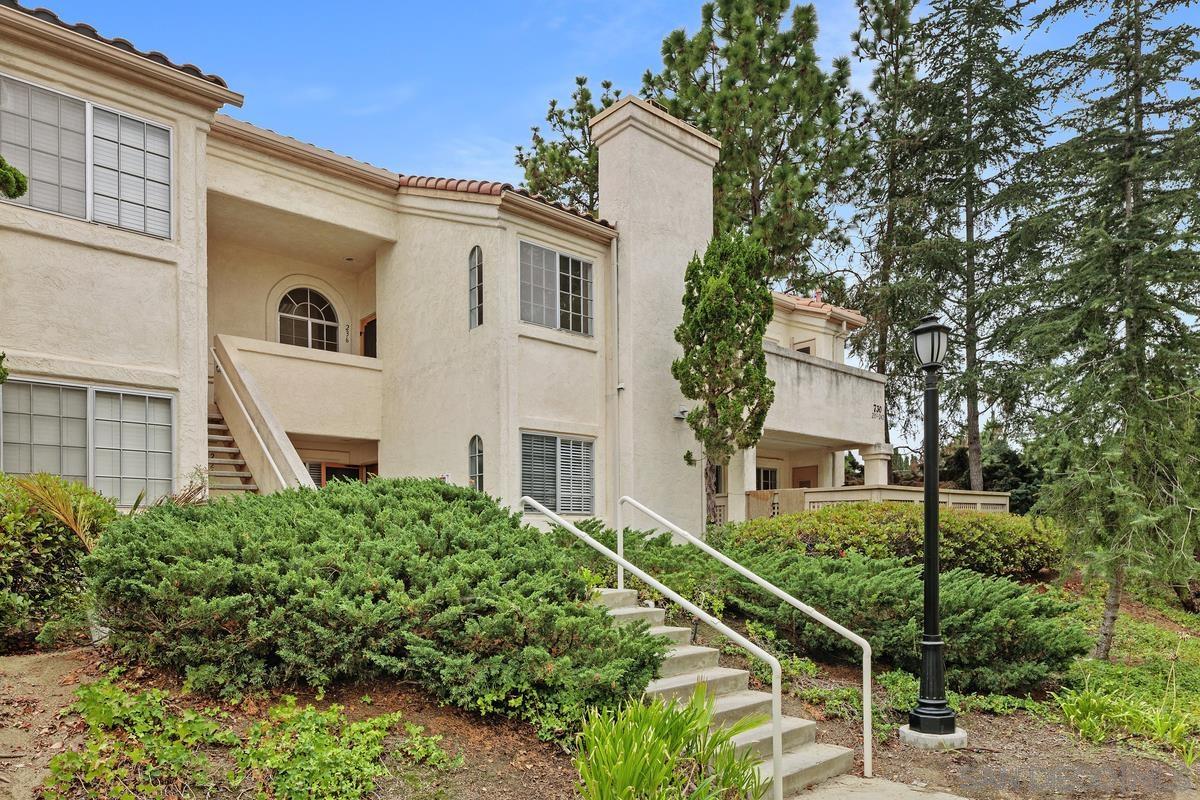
x,y
708,619
779,593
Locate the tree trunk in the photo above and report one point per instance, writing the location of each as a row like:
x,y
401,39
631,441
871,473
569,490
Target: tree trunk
x,y
1108,625
710,490
971,301
1189,596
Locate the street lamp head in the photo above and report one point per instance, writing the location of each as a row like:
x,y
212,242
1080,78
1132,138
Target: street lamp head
x,y
930,340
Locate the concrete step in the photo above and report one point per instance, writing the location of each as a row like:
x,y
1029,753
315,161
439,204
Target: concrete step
x,y
615,598
676,635
807,765
796,732
729,708
224,449
218,490
215,438
623,616
688,658
228,473
226,461
719,680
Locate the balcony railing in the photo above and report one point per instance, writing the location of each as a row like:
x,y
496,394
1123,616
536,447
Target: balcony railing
x,y
790,501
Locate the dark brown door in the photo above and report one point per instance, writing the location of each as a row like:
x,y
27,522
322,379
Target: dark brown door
x,y
804,477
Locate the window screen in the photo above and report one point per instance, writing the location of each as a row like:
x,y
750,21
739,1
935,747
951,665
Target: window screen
x,y
133,446
475,288
43,134
559,473
45,430
131,178
538,282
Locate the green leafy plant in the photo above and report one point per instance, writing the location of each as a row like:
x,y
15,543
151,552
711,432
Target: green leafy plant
x,y
3,371
415,579
302,753
991,544
41,579
419,748
664,751
13,184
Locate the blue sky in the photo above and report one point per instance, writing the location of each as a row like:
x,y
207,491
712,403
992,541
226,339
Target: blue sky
x,y
430,88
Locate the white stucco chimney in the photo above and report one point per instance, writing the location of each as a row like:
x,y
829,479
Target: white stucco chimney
x,y
656,187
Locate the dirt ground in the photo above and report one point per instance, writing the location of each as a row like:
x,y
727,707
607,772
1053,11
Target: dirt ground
x,y
502,760
1008,758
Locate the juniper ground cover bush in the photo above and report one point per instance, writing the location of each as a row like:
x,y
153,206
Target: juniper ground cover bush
x,y
1001,636
991,544
415,579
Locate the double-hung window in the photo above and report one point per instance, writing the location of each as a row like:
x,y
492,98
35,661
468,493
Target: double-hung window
x,y
766,479
559,472
123,180
118,442
556,289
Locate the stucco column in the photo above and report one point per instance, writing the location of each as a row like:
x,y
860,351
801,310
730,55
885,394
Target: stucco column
x,y
839,468
877,459
656,187
739,479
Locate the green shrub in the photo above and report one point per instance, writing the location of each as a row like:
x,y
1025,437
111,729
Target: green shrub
x,y
40,575
657,750
1001,636
991,544
415,579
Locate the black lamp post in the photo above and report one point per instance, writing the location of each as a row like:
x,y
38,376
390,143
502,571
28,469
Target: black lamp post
x,y
932,714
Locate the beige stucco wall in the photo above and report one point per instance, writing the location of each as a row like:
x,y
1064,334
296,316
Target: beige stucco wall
x,y
87,303
831,402
791,329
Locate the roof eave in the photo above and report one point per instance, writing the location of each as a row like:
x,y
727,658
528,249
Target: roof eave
x,y
517,203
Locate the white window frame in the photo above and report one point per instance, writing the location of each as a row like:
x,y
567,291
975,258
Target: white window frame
x,y
309,321
475,462
89,165
475,288
92,389
558,256
559,438
760,473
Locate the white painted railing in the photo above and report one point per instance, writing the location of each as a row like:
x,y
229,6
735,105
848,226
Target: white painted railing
x,y
773,589
708,619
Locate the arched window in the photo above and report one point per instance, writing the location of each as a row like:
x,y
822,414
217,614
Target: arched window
x,y
475,462
475,287
307,319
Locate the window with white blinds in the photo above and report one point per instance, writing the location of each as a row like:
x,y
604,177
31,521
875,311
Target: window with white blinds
x,y
128,178
558,472
120,443
556,290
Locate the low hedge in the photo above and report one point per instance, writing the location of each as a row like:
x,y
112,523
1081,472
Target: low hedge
x,y
414,579
991,544
1000,636
40,575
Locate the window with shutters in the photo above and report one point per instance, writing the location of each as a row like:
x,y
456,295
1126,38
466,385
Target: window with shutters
x,y
475,288
475,462
123,180
558,472
120,443
556,289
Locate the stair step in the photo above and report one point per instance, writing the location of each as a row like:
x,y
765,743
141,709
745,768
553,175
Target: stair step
x,y
223,449
796,732
219,491
807,765
615,598
719,680
228,473
623,616
688,658
234,461
213,437
729,708
676,635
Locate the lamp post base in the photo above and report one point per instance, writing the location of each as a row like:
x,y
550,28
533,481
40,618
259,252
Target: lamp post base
x,y
933,741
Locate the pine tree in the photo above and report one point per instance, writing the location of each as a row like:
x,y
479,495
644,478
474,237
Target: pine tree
x,y
980,108
890,215
1111,335
750,77
727,304
565,167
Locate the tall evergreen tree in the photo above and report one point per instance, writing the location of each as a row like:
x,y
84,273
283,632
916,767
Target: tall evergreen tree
x,y
750,77
980,109
565,167
1111,330
890,216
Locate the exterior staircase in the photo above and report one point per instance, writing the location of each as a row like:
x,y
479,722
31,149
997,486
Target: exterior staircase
x,y
227,472
805,761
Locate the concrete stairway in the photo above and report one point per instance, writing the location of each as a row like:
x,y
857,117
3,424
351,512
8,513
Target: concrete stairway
x,y
805,761
227,472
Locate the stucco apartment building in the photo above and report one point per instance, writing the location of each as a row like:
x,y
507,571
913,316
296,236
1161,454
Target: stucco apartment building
x,y
180,290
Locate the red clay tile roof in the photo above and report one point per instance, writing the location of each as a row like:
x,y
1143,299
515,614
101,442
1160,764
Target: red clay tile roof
x,y
812,304
491,188
46,15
